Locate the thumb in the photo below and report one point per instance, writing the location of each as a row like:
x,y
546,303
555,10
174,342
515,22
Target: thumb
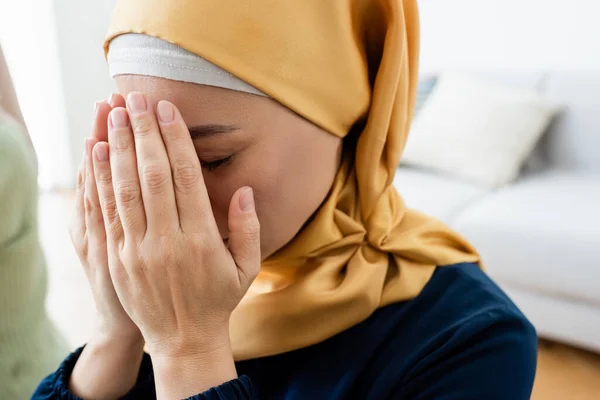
x,y
244,234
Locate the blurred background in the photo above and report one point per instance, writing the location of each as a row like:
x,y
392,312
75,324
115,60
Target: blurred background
x,y
514,85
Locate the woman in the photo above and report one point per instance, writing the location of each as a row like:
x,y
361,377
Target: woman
x,y
30,346
295,117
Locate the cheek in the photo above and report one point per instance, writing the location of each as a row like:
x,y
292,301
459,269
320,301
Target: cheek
x,y
222,185
220,191
275,194
289,183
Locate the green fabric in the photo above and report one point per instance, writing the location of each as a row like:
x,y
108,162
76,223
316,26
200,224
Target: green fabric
x,y
30,345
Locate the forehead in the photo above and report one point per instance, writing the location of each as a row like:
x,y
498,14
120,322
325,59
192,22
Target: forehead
x,y
197,103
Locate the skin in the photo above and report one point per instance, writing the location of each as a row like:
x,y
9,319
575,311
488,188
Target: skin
x,y
289,162
170,240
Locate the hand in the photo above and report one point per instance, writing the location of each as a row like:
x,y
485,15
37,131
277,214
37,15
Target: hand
x,y
173,273
89,239
110,362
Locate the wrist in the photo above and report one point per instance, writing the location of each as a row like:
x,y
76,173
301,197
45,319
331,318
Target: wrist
x,y
192,367
188,375
108,367
190,343
128,335
118,341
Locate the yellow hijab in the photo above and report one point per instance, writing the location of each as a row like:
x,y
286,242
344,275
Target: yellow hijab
x,y
340,64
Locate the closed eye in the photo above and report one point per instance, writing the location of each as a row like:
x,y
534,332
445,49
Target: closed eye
x,y
213,165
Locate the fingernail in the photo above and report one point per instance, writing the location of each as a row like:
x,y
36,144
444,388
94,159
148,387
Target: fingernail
x,y
166,114
111,99
101,153
119,118
136,102
247,200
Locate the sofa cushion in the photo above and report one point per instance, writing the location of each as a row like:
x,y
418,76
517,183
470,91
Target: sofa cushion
x,y
436,195
477,130
573,141
543,233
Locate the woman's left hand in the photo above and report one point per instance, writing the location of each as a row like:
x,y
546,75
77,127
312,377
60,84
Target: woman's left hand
x,y
174,275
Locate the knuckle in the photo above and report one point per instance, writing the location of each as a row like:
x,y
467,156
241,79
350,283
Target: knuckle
x,y
109,207
143,127
127,192
114,227
186,176
89,206
202,245
98,219
121,142
131,258
155,178
89,174
252,230
129,254
104,177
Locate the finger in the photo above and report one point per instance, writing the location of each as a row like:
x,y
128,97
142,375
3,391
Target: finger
x,y
99,126
153,166
78,219
116,100
123,167
93,212
106,194
244,234
193,204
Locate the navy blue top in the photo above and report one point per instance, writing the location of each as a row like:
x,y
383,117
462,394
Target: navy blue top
x,y
461,338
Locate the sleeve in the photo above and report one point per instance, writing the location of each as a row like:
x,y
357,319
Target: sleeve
x,y
493,357
56,385
237,389
18,184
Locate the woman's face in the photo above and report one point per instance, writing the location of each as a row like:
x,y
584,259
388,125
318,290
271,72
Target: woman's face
x,y
247,140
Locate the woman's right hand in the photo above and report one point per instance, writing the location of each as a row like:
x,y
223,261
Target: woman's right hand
x,y
109,364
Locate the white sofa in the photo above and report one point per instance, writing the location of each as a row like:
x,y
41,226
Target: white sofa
x,y
540,236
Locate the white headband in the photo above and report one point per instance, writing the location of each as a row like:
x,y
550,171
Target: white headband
x,y
139,54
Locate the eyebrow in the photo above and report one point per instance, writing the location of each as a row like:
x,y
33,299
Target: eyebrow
x,y
209,130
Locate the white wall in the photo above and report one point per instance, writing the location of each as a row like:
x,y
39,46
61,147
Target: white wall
x,y
54,52
515,34
81,27
521,34
27,33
